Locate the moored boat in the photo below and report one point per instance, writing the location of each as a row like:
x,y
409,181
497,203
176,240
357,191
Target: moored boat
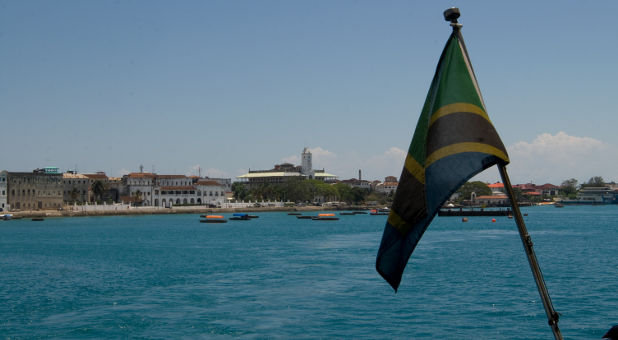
x,y
213,219
325,217
239,217
384,211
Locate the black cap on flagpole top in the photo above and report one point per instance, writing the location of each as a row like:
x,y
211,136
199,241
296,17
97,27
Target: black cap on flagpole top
x,y
451,15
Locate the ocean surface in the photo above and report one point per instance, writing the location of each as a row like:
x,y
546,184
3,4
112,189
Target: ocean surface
x,y
278,277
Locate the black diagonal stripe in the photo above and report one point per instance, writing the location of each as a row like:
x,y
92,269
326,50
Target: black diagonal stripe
x,y
409,202
462,127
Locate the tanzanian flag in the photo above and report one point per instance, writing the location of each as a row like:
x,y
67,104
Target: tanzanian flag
x,y
453,141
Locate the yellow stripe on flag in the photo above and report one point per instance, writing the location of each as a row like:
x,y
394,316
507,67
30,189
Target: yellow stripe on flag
x,y
396,221
465,147
414,168
455,108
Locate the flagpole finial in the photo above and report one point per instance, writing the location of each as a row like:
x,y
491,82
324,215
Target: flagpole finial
x,y
451,15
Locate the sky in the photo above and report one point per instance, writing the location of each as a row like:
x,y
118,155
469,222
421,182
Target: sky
x,y
220,87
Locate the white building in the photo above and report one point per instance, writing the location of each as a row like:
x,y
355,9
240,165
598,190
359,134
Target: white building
x,y
139,188
149,189
210,193
4,206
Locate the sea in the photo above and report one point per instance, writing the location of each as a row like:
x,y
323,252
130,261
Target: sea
x,y
279,277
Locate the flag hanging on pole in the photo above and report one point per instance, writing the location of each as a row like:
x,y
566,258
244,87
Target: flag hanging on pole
x,y
453,141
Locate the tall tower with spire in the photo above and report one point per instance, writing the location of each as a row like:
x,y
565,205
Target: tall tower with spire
x,y
306,166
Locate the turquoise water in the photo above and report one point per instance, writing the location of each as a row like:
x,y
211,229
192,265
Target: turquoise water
x,y
170,277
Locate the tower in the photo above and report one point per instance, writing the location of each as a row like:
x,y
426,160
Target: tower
x,y
306,166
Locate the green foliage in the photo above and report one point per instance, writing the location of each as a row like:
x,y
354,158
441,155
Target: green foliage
x,y
596,181
477,187
569,187
97,189
302,191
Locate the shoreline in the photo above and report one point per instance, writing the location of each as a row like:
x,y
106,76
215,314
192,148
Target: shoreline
x,y
171,211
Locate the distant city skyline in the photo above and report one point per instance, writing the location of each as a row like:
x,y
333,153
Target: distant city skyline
x,y
229,86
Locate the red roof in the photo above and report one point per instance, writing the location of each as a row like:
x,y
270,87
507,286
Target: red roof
x,y
141,175
496,185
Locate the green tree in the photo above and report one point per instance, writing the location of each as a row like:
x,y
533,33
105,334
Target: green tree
x,y
596,181
479,188
569,187
240,191
97,189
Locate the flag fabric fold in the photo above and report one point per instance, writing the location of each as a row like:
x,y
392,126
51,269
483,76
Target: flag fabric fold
x,y
453,141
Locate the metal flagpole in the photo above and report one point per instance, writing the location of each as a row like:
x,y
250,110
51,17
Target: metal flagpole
x,y
552,315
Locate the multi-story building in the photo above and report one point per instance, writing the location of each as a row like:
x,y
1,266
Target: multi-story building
x,y
389,186
4,206
282,173
210,192
37,190
76,188
148,189
173,190
139,188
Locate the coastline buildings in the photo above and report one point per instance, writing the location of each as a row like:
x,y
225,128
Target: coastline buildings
x,y
282,173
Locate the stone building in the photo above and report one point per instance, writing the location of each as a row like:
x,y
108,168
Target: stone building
x,y
76,188
40,189
4,206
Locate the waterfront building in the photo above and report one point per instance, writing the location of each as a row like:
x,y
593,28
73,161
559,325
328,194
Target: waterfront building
x,y
282,173
595,195
389,186
138,188
4,206
173,190
210,192
36,190
149,189
357,183
75,188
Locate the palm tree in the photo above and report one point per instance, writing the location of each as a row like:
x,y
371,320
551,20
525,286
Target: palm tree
x,y
97,189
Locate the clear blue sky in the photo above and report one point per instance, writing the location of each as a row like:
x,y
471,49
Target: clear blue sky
x,y
232,85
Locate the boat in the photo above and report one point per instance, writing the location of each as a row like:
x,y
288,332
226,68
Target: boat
x,y
294,214
253,216
325,217
6,217
346,213
213,219
384,211
559,205
360,213
304,217
38,219
240,217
